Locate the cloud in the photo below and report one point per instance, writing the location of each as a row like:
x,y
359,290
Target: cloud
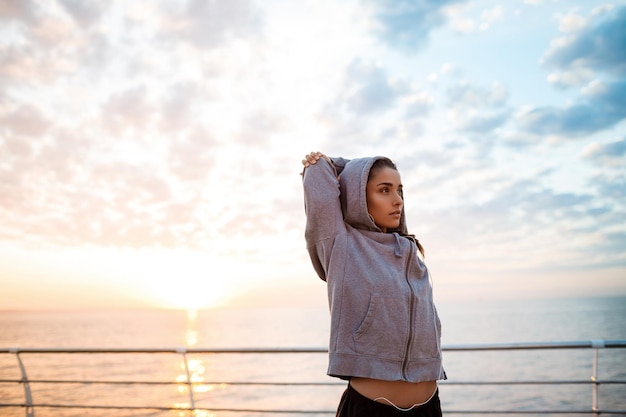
x,y
177,105
406,24
372,106
478,109
49,48
26,65
81,188
116,137
603,106
614,188
608,218
420,160
613,242
259,125
592,55
369,89
550,228
461,21
611,154
419,105
85,13
115,205
571,77
599,46
25,120
17,9
466,94
71,185
129,109
485,123
572,23
492,15
191,155
209,24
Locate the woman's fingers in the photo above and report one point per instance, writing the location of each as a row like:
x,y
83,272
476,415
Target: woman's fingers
x,y
311,159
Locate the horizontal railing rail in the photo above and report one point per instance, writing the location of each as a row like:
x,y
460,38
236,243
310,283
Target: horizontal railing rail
x,y
29,405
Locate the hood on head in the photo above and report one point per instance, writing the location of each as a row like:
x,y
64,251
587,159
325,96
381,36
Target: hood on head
x,y
353,185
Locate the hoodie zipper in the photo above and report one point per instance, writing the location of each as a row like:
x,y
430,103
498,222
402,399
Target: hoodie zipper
x,y
405,362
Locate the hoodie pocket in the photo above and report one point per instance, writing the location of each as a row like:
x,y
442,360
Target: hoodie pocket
x,y
384,329
426,334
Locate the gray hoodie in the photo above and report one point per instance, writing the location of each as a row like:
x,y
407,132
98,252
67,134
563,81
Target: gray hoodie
x,y
384,324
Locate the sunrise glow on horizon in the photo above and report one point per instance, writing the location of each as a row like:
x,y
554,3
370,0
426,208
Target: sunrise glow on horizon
x,y
150,151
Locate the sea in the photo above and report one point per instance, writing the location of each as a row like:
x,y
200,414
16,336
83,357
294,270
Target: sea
x,y
221,379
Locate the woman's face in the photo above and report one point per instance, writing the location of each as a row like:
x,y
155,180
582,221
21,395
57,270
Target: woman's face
x,y
384,198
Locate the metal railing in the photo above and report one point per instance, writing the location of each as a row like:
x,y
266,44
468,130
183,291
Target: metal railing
x,y
30,405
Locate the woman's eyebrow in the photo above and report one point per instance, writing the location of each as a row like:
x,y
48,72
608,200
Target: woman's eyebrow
x,y
388,184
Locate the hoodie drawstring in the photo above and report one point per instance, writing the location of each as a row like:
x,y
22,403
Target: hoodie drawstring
x,y
397,249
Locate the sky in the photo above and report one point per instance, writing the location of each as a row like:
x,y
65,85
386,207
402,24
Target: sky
x,y
150,152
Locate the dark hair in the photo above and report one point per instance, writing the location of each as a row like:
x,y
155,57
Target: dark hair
x,y
388,163
380,164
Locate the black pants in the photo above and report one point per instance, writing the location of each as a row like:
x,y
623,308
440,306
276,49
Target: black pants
x,y
353,404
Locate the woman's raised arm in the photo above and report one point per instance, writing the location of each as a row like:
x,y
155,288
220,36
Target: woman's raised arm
x,y
324,218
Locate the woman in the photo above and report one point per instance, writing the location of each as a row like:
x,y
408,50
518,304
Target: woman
x,y
385,332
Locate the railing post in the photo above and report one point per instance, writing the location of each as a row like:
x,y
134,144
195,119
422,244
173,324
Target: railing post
x,y
596,345
28,403
192,402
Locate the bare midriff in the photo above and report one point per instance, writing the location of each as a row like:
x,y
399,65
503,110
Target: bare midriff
x,y
401,393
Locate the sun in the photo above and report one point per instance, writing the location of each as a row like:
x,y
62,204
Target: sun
x,y
189,294
180,279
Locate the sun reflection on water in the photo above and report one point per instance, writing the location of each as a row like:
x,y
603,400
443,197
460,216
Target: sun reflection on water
x,y
194,371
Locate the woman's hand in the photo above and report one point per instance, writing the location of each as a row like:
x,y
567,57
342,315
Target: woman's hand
x,y
312,158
